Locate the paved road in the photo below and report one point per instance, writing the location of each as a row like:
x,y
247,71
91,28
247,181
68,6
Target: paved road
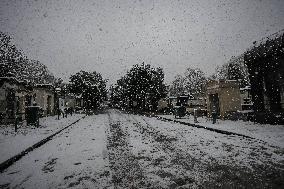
x,y
119,150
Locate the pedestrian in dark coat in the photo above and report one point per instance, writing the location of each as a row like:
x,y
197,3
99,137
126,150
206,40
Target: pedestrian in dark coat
x,y
214,114
66,111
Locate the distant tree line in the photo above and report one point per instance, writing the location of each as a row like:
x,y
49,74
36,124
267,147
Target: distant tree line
x,y
141,88
234,69
193,81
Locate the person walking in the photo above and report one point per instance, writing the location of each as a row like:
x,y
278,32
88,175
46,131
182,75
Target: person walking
x,y
195,114
214,114
71,111
66,112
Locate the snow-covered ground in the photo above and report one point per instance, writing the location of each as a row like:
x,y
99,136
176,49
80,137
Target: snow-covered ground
x,y
77,157
273,134
119,150
12,143
173,154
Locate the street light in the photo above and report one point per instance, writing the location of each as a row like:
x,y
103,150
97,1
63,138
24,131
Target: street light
x,y
58,90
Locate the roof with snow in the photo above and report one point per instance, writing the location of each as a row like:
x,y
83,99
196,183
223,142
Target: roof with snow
x,y
11,80
45,86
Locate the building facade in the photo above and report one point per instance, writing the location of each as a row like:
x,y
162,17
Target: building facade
x,y
246,99
12,99
16,96
223,96
43,95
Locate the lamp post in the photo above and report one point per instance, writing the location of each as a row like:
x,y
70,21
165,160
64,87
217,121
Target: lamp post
x,y
58,90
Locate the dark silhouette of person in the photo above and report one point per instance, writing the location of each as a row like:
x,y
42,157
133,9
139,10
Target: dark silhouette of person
x,y
214,113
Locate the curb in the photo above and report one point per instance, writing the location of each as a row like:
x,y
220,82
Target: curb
x,y
192,125
203,127
4,165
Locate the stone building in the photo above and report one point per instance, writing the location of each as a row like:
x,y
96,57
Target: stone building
x,y
162,104
246,100
172,100
43,96
79,102
265,62
224,96
16,96
68,101
13,94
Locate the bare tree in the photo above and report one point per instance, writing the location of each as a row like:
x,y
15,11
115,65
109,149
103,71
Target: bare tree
x,y
191,82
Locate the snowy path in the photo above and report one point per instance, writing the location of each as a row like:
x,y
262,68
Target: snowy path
x,y
76,158
273,134
12,143
173,155
119,150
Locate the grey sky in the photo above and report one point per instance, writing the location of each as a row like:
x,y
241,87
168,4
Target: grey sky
x,y
110,36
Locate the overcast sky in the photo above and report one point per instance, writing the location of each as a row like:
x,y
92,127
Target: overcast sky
x,y
110,36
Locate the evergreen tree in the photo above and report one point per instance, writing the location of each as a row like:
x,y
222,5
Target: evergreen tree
x,y
8,51
14,63
91,86
141,88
